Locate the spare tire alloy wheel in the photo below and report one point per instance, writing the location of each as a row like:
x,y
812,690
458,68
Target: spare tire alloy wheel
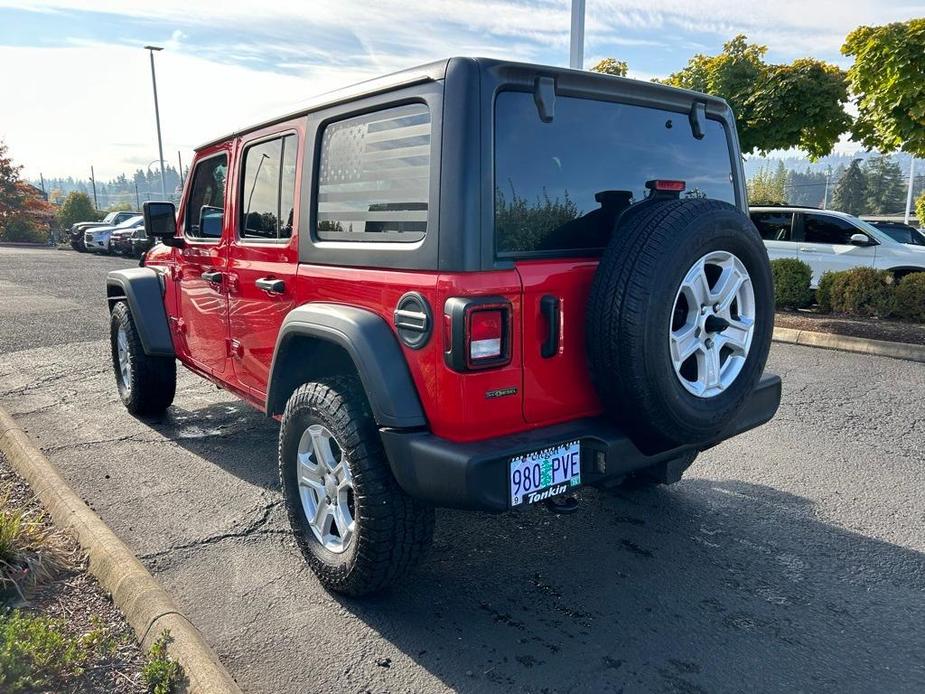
x,y
712,324
326,489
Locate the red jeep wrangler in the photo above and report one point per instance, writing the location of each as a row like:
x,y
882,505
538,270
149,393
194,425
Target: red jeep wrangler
x,y
475,284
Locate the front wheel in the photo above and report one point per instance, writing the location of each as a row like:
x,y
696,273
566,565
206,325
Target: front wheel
x,y
146,384
358,531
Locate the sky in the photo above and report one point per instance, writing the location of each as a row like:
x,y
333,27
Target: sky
x,y
76,81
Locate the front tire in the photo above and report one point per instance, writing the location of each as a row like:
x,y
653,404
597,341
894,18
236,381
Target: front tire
x,y
358,531
146,384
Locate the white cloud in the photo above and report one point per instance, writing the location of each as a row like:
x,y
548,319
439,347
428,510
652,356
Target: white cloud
x,y
75,100
93,105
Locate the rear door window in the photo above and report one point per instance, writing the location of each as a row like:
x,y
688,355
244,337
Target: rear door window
x,y
774,226
268,190
559,186
818,228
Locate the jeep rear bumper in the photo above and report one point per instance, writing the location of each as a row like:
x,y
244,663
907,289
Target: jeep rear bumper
x,y
474,475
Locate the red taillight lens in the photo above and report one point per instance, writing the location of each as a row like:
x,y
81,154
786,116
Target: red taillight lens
x,y
486,332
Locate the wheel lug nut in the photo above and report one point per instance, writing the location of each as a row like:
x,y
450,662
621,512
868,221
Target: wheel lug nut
x,y
709,343
703,310
715,308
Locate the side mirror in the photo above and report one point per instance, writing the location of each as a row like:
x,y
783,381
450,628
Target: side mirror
x,y
211,220
860,240
161,222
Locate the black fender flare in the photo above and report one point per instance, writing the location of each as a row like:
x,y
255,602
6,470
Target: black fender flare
x,y
141,287
374,350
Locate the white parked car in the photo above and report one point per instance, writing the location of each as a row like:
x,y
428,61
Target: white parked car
x,y
830,241
97,239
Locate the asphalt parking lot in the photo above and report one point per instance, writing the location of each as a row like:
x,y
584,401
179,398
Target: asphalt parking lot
x,y
789,559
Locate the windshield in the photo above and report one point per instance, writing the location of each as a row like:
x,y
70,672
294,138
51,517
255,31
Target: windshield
x,y
903,234
559,186
130,222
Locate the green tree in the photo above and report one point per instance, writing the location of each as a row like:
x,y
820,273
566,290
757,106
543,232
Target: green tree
x,y
768,187
887,80
851,190
886,189
9,186
776,106
77,207
611,66
807,188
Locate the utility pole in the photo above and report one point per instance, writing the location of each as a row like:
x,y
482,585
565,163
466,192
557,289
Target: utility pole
x,y
137,199
909,192
93,182
42,180
577,37
157,118
825,199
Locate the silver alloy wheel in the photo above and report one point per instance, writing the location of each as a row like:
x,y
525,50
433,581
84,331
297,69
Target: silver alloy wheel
x,y
125,362
326,488
712,323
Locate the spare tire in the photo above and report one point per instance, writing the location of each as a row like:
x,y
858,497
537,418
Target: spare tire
x,y
679,320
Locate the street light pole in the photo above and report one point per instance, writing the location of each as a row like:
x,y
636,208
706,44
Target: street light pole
x,y
909,192
157,117
577,37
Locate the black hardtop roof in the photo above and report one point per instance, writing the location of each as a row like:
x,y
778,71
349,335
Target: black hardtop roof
x,y
437,70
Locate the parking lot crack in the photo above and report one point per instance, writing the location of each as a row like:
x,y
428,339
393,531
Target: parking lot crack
x,y
255,528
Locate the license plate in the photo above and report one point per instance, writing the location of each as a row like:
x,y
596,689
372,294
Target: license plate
x,y
544,474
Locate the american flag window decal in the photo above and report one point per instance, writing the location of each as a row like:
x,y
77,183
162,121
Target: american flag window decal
x,y
374,175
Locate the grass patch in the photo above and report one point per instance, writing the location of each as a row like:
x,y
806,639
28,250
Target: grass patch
x,y
37,653
30,551
161,673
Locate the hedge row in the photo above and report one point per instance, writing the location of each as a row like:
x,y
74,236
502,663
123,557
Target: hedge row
x,y
861,291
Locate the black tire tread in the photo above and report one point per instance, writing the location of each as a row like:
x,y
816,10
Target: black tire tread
x,y
154,379
394,531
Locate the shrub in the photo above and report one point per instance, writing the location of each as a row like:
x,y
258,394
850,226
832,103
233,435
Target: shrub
x,y
24,229
30,552
824,291
863,291
36,653
791,283
160,672
910,297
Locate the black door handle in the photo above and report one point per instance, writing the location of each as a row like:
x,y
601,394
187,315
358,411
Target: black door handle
x,y
549,307
212,276
271,284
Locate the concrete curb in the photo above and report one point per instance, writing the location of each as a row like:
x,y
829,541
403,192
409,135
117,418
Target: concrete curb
x,y
846,343
146,605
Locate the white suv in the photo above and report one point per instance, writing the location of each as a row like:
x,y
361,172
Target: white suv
x,y
827,240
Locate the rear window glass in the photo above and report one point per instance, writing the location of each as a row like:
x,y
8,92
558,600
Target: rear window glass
x,y
374,181
559,186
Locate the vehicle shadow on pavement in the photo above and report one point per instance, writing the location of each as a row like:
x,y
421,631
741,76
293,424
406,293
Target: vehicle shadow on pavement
x,y
706,586
231,435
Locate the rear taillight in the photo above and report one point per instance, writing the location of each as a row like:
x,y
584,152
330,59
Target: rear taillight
x,y
479,333
485,331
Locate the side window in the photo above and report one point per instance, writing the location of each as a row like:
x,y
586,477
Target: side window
x,y
206,200
818,228
374,176
774,226
268,189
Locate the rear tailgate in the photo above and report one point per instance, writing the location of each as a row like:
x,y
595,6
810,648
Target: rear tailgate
x,y
556,387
